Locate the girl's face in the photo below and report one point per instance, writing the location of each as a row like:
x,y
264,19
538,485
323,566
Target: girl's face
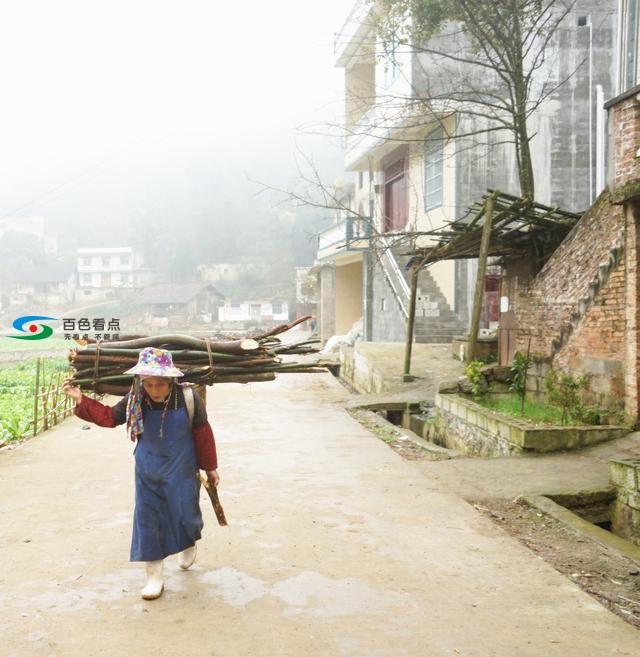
x,y
157,387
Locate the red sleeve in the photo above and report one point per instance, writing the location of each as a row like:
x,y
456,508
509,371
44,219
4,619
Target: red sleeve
x,y
93,411
205,447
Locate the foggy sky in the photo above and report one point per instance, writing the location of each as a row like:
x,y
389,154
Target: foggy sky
x,y
118,110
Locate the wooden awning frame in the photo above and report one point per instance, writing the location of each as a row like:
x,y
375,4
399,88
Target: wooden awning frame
x,y
519,228
498,225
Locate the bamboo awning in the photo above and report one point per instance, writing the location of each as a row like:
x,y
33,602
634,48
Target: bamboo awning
x,y
519,228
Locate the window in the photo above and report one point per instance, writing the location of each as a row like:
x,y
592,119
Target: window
x,y
383,304
124,260
106,260
433,169
360,179
276,307
85,261
630,45
86,279
391,66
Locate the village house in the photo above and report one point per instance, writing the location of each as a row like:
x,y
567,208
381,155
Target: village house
x,y
256,311
102,272
417,172
179,304
40,288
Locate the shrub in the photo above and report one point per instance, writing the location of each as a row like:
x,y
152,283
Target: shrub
x,y
563,390
519,368
473,370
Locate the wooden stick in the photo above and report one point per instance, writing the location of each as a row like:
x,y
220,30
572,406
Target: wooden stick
x,y
212,491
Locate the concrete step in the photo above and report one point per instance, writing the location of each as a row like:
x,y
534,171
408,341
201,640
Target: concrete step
x,y
442,328
433,339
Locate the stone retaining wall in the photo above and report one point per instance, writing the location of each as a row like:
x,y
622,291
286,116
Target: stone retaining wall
x,y
625,513
466,426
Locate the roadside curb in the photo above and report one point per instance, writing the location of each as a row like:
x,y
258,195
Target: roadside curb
x,y
436,451
595,533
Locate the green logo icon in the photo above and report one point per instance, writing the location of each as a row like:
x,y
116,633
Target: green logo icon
x,y
30,324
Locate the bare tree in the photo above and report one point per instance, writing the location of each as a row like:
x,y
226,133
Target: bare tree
x,y
485,61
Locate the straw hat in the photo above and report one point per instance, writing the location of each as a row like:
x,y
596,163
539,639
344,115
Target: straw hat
x,y
155,362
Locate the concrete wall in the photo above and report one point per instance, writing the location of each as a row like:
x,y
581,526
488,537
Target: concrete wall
x,y
359,91
388,324
348,296
327,305
625,512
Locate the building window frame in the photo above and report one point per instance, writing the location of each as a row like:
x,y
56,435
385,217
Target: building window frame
x,y
629,36
434,169
391,66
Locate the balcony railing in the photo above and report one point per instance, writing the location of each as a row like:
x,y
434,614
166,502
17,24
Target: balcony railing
x,y
350,234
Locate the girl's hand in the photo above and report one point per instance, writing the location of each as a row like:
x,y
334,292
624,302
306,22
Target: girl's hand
x,y
213,477
71,391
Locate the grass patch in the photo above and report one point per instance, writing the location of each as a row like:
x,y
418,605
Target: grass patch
x,y
17,388
512,405
53,343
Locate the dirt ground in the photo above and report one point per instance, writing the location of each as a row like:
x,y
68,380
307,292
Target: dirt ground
x,y
612,579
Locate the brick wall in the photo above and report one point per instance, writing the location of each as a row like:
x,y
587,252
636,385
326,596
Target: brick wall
x,y
624,118
624,183
597,346
543,304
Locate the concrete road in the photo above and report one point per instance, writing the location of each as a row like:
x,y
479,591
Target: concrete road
x,y
336,547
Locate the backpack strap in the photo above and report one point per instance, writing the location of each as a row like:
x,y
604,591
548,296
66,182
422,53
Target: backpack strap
x,y
189,402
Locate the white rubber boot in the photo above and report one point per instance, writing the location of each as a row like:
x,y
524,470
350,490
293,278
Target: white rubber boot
x,y
155,582
187,557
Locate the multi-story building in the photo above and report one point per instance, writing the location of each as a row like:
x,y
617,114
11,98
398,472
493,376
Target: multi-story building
x,y
103,271
416,170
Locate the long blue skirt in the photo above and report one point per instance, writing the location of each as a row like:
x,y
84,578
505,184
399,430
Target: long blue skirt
x,y
167,517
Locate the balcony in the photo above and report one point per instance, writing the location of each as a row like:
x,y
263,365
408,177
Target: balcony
x,y
378,131
344,238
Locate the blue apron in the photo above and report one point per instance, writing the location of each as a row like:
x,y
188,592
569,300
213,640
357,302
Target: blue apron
x,y
167,517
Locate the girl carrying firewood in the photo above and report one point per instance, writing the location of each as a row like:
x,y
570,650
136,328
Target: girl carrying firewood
x,y
173,439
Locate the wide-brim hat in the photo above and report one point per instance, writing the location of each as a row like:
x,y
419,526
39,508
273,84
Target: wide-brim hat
x,y
155,362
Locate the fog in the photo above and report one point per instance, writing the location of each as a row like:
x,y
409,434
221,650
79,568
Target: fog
x,y
144,123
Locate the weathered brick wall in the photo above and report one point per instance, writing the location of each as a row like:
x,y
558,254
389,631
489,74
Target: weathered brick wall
x,y
574,292
624,183
632,314
597,347
624,118
548,301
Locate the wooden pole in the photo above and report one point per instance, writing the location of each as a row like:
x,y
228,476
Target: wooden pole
x,y
524,376
411,320
35,399
482,268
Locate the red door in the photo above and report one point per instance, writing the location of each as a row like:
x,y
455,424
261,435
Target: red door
x,y
395,197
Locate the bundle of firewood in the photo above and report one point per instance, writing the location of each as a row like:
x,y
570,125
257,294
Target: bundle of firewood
x,y
100,366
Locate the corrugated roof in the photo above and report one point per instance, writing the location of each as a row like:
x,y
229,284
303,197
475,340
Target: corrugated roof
x,y
176,292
